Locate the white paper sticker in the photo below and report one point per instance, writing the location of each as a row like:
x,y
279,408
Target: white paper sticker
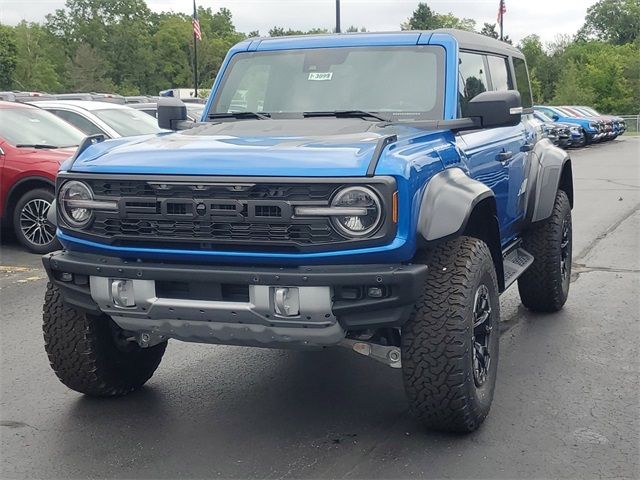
x,y
320,76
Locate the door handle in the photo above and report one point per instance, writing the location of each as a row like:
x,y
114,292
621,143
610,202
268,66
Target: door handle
x,y
504,156
527,147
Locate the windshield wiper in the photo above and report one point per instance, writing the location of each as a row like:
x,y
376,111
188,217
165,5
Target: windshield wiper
x,y
240,115
347,114
36,145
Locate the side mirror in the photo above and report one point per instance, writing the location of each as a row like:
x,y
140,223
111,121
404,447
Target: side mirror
x,y
171,112
555,117
496,109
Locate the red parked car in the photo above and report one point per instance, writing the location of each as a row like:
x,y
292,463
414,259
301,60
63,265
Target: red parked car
x,y
33,143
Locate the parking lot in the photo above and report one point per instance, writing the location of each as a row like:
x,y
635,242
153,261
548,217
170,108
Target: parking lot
x,y
566,403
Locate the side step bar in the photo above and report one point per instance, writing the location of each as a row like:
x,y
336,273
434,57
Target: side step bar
x,y
515,262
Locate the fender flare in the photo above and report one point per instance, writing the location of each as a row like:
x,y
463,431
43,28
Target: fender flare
x,y
447,203
544,180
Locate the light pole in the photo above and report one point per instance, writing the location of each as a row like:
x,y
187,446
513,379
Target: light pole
x,y
337,16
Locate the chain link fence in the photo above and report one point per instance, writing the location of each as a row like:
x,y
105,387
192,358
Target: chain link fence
x,y
633,124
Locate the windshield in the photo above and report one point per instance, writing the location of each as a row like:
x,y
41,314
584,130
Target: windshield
x,y
32,126
401,81
543,117
127,121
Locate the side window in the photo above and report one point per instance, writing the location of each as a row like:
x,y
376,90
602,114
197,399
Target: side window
x,y
499,70
78,121
472,78
522,81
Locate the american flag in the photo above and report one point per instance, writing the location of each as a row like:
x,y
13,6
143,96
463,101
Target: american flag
x,y
196,24
502,9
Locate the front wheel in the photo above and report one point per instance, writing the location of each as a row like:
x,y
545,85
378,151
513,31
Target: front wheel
x,y
90,355
450,342
30,221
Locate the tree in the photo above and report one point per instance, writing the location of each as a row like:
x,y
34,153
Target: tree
x,y
281,32
570,89
489,30
88,71
423,18
615,21
8,56
35,66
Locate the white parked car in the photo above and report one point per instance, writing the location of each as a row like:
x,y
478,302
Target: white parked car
x,y
109,119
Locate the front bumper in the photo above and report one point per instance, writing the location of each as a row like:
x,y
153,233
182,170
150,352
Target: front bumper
x,y
235,304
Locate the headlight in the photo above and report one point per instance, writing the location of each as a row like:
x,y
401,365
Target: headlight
x,y
367,215
71,198
593,126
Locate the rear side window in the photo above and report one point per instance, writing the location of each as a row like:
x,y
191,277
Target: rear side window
x,y
78,121
472,80
522,81
499,70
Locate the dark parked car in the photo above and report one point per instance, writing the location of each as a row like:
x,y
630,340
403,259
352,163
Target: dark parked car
x,y
559,133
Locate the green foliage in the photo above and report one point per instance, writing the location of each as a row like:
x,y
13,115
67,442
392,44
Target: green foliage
x,y
8,56
423,18
490,30
281,32
615,21
38,52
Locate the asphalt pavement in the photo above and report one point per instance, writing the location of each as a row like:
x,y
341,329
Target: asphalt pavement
x,y
566,403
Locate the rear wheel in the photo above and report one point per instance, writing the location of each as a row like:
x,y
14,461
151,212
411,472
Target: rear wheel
x,y
90,355
450,343
30,221
544,287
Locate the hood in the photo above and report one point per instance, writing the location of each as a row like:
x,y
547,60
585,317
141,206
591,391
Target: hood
x,y
292,147
57,155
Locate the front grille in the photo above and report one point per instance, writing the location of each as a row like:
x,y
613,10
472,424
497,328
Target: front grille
x,y
222,216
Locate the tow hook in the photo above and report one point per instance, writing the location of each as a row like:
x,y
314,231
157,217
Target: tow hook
x,y
389,355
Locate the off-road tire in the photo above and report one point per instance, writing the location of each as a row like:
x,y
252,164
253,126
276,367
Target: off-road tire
x,y
85,355
437,340
542,287
36,195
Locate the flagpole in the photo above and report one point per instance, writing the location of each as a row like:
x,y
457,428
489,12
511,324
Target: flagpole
x,y
195,54
501,19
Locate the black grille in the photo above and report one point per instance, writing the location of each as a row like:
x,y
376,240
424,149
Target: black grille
x,y
230,214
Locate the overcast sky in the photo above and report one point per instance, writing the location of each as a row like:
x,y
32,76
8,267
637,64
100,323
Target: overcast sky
x,y
547,18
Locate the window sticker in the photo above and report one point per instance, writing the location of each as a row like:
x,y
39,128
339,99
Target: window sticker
x,y
320,76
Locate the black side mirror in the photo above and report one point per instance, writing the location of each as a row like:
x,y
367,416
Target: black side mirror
x,y
555,117
171,113
496,109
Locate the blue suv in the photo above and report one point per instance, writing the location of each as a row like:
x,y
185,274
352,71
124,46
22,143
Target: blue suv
x,y
592,129
376,192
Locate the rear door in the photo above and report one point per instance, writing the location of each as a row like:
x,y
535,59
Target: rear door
x,y
495,156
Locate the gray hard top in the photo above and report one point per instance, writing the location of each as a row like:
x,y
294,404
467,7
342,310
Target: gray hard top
x,y
481,43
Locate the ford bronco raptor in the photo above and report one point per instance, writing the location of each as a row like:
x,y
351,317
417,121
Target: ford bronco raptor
x,y
371,191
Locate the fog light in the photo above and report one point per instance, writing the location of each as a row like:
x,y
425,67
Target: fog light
x,y
350,293
66,277
375,292
122,293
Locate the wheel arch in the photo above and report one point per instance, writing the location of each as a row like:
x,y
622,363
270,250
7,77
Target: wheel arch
x,y
453,204
551,173
21,187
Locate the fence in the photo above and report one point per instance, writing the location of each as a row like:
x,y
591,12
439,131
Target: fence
x,y
633,123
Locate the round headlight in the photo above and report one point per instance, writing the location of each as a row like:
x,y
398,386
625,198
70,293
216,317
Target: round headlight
x,y
366,221
75,216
